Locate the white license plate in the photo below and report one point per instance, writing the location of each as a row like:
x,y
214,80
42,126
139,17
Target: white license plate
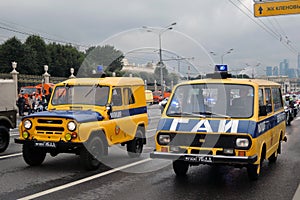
x,y
45,144
203,159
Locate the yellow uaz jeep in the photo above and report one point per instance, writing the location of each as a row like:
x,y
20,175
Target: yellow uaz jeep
x,y
85,116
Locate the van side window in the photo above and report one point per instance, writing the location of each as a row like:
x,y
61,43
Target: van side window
x,y
261,97
277,99
268,99
116,97
128,96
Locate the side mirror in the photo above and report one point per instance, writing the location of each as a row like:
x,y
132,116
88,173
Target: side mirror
x,y
262,110
108,108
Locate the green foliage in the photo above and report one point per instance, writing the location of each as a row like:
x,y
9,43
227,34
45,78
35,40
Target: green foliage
x,y
106,56
12,50
40,56
35,53
62,58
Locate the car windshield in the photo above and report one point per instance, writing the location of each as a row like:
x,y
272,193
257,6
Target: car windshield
x,y
212,100
81,94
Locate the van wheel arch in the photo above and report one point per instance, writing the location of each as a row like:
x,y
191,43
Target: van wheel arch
x,y
254,170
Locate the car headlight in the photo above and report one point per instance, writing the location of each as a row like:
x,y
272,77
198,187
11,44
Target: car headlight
x,y
27,124
71,126
164,139
242,142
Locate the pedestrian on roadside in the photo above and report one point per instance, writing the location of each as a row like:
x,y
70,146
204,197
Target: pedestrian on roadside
x,y
21,104
30,104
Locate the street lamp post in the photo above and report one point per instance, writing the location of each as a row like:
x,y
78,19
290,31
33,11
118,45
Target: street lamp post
x,y
160,63
222,56
228,52
253,69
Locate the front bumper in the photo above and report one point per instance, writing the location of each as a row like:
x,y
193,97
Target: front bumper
x,y
205,159
52,146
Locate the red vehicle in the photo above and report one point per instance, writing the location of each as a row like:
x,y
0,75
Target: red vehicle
x,y
38,90
158,97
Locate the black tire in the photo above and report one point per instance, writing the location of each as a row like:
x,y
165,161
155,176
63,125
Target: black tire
x,y
92,153
4,138
273,157
289,119
33,156
254,170
180,167
135,146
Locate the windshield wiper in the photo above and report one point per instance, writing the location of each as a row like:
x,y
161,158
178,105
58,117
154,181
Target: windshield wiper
x,y
213,113
186,114
63,91
92,89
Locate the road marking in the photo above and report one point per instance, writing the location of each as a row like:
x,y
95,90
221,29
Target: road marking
x,y
297,194
55,189
151,130
158,117
10,155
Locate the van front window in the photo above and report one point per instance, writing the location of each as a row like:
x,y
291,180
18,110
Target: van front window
x,y
212,100
80,94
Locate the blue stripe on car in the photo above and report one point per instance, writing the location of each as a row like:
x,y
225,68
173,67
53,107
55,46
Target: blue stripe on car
x,y
253,128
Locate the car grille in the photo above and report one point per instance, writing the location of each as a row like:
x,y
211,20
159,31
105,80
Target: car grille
x,y
49,126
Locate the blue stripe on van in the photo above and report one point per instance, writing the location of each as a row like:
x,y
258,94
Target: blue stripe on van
x,y
222,125
128,112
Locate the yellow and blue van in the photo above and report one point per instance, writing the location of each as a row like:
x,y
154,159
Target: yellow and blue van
x,y
222,121
85,116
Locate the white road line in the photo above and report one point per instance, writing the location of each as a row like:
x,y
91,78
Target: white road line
x,y
297,194
151,130
10,155
55,189
158,117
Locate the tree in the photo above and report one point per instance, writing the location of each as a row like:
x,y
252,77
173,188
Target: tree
x,y
157,74
10,51
173,77
37,45
107,56
62,58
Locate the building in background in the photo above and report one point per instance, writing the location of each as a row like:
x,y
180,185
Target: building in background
x,y
275,71
269,71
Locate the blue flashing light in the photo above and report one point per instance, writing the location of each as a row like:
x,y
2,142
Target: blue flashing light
x,y
99,68
221,68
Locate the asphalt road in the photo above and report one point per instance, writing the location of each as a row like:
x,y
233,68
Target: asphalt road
x,y
62,177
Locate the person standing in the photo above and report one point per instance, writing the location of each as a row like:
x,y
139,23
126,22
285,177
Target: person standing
x,y
21,104
30,104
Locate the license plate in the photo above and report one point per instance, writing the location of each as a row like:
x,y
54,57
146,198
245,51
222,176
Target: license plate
x,y
45,144
202,159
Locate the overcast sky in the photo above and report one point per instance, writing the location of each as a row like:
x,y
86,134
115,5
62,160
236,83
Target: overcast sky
x,y
202,26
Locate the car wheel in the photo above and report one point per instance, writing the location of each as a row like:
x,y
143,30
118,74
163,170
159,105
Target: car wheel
x,y
92,153
33,156
4,138
180,167
135,146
